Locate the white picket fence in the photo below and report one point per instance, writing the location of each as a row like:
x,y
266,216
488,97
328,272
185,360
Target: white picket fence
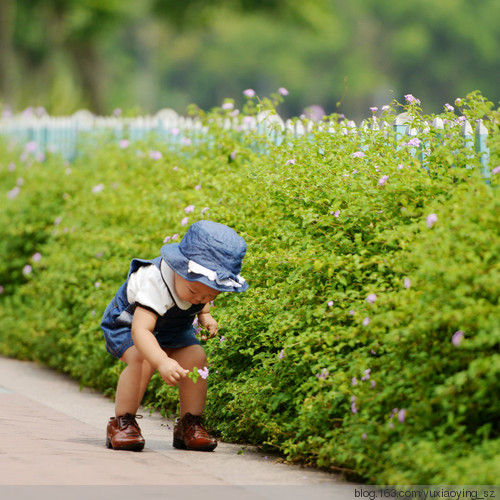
x,y
64,135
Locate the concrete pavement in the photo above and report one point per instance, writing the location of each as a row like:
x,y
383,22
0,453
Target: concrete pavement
x,y
52,440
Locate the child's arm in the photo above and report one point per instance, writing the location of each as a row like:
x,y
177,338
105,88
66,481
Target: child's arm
x,y
207,321
143,324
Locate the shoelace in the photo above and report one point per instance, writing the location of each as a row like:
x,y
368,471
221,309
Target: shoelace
x,y
128,419
194,422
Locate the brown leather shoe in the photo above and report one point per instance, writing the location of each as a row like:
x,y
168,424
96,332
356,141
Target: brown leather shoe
x,y
124,433
189,434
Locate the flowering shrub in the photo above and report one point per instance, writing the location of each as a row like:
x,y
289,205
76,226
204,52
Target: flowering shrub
x,y
368,340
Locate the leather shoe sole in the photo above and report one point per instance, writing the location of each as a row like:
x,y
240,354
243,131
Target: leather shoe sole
x,y
126,447
181,445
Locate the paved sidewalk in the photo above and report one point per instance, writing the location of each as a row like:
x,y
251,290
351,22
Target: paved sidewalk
x,y
52,436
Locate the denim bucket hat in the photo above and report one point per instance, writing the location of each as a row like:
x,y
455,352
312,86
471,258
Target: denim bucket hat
x,y
210,253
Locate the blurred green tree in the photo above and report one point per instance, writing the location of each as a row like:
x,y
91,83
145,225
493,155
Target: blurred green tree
x,y
344,55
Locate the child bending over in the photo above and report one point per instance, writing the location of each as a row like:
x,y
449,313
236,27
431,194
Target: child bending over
x,y
149,326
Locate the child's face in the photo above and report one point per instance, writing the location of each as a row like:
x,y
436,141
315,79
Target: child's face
x,y
194,291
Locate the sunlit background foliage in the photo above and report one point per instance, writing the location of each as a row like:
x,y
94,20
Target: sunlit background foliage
x,y
343,55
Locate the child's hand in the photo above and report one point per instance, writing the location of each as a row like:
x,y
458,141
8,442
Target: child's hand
x,y
207,321
172,372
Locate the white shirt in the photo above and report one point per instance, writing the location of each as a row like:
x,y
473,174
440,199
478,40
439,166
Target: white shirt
x,y
147,287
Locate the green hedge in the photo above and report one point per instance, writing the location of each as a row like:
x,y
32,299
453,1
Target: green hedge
x,y
344,353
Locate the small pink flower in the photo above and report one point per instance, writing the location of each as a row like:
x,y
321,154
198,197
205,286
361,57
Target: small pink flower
x,y
449,107
36,257
13,192
353,408
401,415
382,181
283,91
27,269
155,155
203,372
358,154
411,99
205,209
197,187
457,338
323,374
373,109
407,283
175,237
98,188
352,312
282,354
249,93
371,298
330,304
228,106
31,147
189,209
386,108
184,221
431,220
167,239
363,436
414,142
366,321
124,143
496,170
373,383
291,161
97,284
354,381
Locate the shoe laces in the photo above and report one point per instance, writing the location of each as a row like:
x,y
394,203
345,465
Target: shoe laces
x,y
190,421
128,419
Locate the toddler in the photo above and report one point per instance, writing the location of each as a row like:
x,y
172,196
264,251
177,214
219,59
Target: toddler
x,y
149,326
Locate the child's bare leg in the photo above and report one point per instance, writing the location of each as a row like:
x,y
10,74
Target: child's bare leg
x,y
192,396
132,383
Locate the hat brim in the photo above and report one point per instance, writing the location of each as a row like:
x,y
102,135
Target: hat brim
x,y
175,259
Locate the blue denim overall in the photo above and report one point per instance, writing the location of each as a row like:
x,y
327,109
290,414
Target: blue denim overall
x,y
174,329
